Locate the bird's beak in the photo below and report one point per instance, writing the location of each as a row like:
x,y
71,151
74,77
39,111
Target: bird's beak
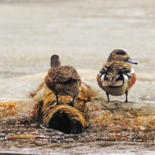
x,y
132,61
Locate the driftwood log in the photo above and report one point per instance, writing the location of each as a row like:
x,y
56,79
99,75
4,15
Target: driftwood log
x,y
63,117
90,109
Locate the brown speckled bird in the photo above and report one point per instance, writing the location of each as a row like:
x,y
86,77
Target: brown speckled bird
x,y
117,76
62,80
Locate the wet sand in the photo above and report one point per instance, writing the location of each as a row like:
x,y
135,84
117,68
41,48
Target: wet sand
x,y
83,33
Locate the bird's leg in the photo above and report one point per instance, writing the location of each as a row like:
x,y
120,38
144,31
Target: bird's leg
x,y
72,102
126,93
108,96
57,99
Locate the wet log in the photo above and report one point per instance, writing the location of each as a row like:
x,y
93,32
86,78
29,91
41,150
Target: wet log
x,y
114,120
63,117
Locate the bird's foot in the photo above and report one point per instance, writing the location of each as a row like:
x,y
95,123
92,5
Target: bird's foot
x,y
59,103
71,103
126,101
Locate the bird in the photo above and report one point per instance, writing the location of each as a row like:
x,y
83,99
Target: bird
x,y
62,80
117,75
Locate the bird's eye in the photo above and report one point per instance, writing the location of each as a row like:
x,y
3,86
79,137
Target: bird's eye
x,y
121,53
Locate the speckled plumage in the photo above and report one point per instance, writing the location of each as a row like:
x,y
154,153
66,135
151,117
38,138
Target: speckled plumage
x,y
63,80
116,76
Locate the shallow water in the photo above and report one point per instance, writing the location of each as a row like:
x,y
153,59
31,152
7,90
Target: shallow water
x,y
83,33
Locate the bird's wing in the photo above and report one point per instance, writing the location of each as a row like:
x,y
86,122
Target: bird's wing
x,y
113,73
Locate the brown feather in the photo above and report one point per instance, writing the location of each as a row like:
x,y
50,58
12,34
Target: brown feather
x,y
113,71
63,80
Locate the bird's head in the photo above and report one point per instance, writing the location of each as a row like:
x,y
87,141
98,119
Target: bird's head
x,y
120,55
55,62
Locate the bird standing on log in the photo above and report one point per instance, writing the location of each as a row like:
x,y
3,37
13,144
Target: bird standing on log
x,y
62,80
117,76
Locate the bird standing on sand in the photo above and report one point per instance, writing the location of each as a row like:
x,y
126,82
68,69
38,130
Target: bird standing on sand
x,y
62,80
117,76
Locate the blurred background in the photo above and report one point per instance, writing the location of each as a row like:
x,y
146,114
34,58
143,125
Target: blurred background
x,y
82,32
